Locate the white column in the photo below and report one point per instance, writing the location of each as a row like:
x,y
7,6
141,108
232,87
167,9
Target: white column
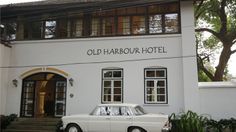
x,y
190,76
4,61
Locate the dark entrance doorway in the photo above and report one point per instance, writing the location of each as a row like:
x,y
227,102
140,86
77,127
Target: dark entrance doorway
x,y
43,95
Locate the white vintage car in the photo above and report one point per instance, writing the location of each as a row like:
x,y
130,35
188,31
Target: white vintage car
x,y
116,118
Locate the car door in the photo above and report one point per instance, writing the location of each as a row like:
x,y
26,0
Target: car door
x,y
100,120
121,118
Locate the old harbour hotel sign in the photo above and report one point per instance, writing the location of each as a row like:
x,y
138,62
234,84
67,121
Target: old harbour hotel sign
x,y
127,51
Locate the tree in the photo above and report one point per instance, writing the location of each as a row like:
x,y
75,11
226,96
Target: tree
x,y
217,17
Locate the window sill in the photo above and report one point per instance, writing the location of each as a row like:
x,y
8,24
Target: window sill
x,y
155,104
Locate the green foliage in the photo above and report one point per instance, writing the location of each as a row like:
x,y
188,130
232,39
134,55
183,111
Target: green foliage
x,y
218,18
192,122
6,120
221,125
202,77
187,122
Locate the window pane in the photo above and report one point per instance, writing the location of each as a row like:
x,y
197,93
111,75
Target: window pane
x,y
95,27
171,23
107,83
108,26
150,73
150,91
107,90
107,98
36,28
117,98
60,96
117,83
160,83
77,27
138,25
59,108
117,74
150,83
115,111
117,90
155,24
124,25
161,98
107,74
50,29
160,91
61,28
160,73
150,98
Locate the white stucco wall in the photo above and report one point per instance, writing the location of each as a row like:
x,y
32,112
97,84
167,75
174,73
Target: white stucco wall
x,y
86,70
4,82
218,99
190,77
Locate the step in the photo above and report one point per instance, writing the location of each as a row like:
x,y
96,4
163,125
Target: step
x,y
27,130
33,125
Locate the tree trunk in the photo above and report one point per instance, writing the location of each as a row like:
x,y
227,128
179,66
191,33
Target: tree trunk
x,y
223,60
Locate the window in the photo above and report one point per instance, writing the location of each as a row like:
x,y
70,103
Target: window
x,y
134,20
155,24
171,23
108,26
124,25
111,111
76,27
61,29
112,86
138,25
96,30
50,29
155,85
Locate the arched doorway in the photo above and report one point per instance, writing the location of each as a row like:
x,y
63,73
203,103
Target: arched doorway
x,y
43,95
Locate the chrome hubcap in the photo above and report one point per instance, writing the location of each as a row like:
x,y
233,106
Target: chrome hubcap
x,y
136,130
73,129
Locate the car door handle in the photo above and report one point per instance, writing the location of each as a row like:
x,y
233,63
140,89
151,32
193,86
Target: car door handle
x,y
129,118
107,118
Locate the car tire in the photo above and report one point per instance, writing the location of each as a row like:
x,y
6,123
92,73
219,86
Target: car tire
x,y
136,129
73,128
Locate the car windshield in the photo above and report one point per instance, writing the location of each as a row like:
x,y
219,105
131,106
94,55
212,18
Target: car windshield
x,y
139,110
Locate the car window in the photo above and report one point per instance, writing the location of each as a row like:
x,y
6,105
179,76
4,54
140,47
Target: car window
x,y
120,111
102,111
139,110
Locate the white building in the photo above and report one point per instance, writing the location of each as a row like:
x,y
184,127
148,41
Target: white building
x,y
69,57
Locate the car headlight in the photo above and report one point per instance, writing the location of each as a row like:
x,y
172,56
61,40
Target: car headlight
x,y
166,127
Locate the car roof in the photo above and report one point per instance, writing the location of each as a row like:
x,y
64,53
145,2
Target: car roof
x,y
119,104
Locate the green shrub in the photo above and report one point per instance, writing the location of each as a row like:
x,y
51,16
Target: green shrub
x,y
6,120
221,125
187,122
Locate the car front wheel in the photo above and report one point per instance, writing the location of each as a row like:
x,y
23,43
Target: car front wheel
x,y
73,128
136,129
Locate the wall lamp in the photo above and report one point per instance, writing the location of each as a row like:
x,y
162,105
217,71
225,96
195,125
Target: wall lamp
x,y
71,81
15,82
